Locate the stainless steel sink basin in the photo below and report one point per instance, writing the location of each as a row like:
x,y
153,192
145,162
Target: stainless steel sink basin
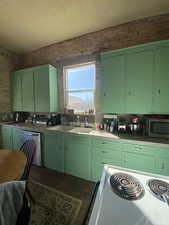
x,y
71,129
81,130
60,128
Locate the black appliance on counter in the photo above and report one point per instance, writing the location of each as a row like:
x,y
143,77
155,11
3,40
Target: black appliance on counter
x,y
20,117
54,120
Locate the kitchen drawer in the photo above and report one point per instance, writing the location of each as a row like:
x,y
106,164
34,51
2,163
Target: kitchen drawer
x,y
98,164
106,153
71,138
104,143
139,148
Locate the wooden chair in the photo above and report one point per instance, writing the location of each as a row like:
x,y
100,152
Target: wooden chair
x,y
28,148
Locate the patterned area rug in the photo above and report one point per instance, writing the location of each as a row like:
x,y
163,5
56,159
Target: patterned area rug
x,y
52,207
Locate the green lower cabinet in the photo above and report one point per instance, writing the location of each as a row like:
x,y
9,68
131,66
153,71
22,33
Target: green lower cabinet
x,y
78,160
104,151
139,161
163,166
53,151
6,137
163,161
100,157
16,139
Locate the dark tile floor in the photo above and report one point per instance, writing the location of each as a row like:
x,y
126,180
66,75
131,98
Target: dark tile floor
x,y
70,185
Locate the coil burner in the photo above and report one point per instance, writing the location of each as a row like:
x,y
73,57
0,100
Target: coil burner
x,y
126,186
159,188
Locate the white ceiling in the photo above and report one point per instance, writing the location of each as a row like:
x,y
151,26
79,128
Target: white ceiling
x,y
26,25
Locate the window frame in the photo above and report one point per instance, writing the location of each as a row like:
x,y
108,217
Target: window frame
x,y
65,68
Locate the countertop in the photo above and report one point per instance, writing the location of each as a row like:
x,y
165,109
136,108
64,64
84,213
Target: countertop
x,y
96,133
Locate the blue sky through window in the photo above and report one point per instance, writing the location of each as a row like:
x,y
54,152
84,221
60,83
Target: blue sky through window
x,y
81,78
80,83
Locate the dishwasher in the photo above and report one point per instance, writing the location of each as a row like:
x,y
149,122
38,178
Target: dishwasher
x,y
27,135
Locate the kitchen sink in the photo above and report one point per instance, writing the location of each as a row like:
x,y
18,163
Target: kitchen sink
x,y
60,128
81,130
71,129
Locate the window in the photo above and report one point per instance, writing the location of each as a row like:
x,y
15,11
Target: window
x,y
79,88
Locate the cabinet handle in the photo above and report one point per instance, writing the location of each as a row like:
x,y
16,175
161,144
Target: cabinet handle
x,y
163,166
103,143
159,91
104,152
104,94
103,163
139,148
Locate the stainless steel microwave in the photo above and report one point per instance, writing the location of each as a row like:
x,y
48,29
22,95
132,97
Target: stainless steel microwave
x,y
158,128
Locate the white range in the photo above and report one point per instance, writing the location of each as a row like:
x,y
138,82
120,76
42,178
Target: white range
x,y
128,197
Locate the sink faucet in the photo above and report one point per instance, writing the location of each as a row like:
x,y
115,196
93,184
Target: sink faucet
x,y
86,123
78,121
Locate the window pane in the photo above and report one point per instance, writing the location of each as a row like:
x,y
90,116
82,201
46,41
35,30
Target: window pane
x,y
81,78
81,101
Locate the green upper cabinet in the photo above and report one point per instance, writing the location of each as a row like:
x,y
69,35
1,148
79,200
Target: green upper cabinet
x,y
35,89
138,69
16,91
135,79
46,95
161,81
27,91
113,84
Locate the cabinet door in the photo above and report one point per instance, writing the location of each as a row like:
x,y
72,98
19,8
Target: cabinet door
x,y
161,81
16,139
139,161
6,137
42,98
139,68
163,166
113,85
78,160
101,157
53,150
16,92
27,91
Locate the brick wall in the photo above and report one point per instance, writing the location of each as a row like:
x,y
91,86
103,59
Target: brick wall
x,y
124,35
87,47
8,62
